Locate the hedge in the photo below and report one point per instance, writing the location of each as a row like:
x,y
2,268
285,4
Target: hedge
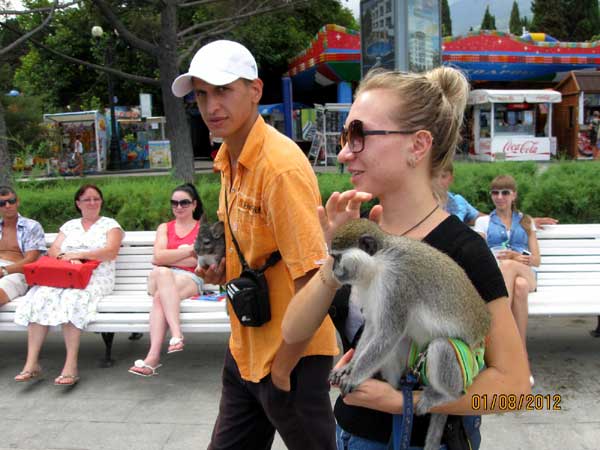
x,y
566,190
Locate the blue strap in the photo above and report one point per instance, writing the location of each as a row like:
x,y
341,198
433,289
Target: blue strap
x,y
402,423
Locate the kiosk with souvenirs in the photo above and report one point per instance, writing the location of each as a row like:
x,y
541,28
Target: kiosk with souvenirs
x,y
135,132
83,132
513,125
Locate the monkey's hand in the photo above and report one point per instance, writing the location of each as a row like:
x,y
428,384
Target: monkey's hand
x,y
342,378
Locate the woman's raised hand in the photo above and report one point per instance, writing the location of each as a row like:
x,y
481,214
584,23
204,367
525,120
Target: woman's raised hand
x,y
340,208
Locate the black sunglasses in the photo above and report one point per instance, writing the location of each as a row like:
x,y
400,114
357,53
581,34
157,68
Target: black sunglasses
x,y
10,201
355,134
504,192
183,203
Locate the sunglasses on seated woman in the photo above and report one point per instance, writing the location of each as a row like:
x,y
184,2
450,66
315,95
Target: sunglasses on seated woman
x,y
185,203
355,134
503,192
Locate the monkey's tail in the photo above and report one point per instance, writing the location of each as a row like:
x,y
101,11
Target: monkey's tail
x,y
435,431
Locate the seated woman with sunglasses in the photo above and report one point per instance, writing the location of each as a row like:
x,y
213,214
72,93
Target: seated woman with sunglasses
x,y
511,236
400,131
92,237
173,278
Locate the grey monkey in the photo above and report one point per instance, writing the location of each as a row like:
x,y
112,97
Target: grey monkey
x,y
210,243
407,290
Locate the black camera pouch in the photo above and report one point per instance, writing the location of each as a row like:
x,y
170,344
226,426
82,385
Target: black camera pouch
x,y
249,297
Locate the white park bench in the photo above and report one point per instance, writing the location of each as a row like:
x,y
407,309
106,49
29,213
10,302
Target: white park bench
x,y
127,309
569,275
568,284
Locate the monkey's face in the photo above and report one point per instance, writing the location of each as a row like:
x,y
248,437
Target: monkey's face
x,y
352,266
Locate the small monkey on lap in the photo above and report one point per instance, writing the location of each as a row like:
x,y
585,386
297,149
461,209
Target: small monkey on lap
x,y
210,243
407,290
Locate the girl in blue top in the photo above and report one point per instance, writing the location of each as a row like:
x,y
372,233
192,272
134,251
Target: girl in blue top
x,y
511,236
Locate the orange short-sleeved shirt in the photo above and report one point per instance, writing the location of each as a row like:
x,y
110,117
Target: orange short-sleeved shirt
x,y
272,206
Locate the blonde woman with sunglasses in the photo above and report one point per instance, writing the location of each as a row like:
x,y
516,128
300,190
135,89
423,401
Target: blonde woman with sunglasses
x,y
401,130
173,277
511,236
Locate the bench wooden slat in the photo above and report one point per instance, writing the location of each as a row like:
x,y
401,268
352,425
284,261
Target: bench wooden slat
x,y
147,258
571,268
132,272
136,251
570,259
129,294
568,275
208,316
132,287
146,266
221,327
139,303
574,282
121,279
569,231
146,307
569,244
559,308
555,252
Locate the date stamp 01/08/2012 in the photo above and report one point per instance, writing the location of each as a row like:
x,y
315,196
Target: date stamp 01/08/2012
x,y
513,402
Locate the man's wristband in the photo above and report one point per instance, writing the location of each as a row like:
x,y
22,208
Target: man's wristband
x,y
60,256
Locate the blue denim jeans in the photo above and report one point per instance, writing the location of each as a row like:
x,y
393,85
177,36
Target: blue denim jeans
x,y
347,441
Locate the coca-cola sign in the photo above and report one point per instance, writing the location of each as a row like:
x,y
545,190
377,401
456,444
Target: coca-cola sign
x,y
522,148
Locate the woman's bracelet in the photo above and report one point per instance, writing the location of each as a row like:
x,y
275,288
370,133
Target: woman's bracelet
x,y
60,256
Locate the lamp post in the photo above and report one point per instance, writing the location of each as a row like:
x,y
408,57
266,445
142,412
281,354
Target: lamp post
x,y
114,156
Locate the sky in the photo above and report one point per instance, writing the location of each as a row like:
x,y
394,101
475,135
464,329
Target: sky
x,y
354,6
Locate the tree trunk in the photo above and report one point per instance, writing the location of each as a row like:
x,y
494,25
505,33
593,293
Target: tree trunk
x,y
177,127
5,160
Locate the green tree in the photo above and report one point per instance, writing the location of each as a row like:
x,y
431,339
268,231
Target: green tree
x,y
525,22
489,21
165,35
23,117
11,39
549,17
582,19
515,23
75,85
446,19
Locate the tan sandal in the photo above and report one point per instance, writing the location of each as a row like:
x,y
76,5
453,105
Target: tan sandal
x,y
27,375
74,379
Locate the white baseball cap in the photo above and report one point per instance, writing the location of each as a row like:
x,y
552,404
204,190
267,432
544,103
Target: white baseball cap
x,y
218,63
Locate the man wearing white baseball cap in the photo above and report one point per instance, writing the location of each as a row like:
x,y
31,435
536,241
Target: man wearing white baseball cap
x,y
271,194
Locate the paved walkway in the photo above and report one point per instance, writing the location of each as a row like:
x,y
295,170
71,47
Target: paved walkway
x,y
113,410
